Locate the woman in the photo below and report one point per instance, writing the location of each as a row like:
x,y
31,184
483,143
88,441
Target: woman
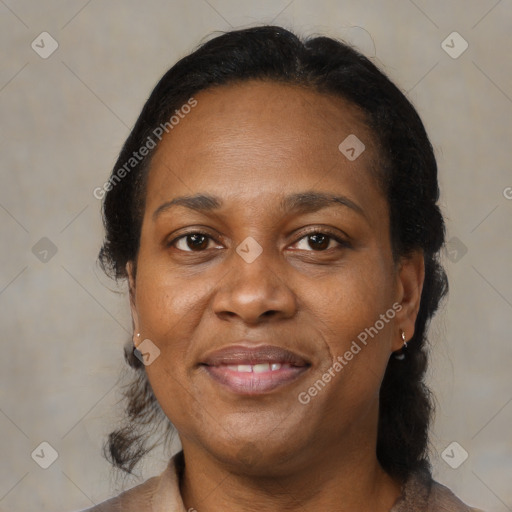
x,y
274,211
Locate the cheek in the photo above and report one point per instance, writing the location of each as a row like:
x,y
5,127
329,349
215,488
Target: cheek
x,y
351,300
166,303
169,310
355,315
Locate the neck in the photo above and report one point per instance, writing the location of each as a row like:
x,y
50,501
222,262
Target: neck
x,y
356,483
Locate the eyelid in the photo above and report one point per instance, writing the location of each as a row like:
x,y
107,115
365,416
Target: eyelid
x,y
333,233
193,231
330,232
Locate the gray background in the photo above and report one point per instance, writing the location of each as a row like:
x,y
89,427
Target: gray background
x,y
64,119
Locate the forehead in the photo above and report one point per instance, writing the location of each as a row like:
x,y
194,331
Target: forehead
x,y
257,140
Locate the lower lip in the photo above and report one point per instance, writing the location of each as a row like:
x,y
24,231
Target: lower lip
x,y
251,383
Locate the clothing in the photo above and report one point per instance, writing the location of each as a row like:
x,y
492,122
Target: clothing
x,y
162,494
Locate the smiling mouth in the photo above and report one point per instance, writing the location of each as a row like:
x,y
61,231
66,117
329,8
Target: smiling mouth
x,y
255,379
252,371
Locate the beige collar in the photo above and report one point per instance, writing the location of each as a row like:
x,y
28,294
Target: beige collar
x,y
419,493
167,496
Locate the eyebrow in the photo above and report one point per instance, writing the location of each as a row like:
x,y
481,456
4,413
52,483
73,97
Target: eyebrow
x,y
302,202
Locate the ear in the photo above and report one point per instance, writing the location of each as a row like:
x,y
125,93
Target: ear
x,y
130,271
410,279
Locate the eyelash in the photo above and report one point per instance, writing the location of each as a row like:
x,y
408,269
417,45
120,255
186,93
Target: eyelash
x,y
325,231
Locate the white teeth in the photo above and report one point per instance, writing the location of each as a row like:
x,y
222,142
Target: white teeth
x,y
259,368
256,368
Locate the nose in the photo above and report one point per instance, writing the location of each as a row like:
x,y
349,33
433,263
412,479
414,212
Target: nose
x,y
254,292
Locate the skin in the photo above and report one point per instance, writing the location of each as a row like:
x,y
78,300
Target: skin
x,y
251,145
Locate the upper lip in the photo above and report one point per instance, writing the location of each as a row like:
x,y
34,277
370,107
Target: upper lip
x,y
241,354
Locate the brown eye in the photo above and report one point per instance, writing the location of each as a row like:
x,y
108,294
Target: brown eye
x,y
192,242
319,241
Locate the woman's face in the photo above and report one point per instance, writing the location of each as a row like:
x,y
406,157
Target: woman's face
x,y
252,312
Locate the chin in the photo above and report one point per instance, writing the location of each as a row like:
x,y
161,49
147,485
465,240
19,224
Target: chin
x,y
261,449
